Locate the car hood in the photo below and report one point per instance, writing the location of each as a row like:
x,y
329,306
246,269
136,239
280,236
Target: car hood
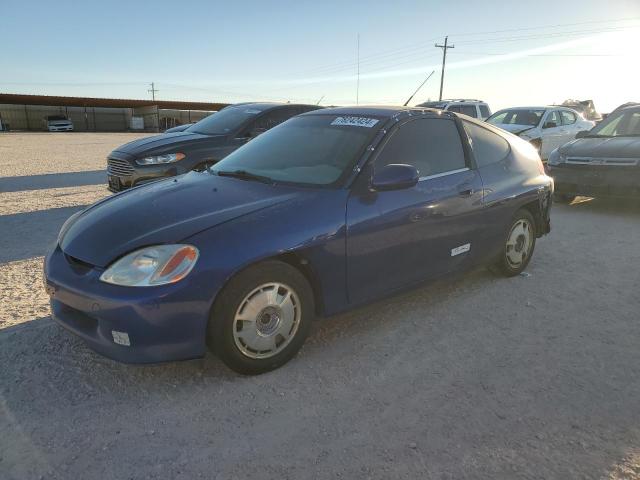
x,y
616,147
514,128
168,143
164,212
59,122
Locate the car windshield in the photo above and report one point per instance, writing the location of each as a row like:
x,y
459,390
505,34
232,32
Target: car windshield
x,y
309,150
517,117
226,120
624,123
56,117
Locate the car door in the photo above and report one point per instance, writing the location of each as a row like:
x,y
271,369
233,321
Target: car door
x,y
570,125
552,133
400,237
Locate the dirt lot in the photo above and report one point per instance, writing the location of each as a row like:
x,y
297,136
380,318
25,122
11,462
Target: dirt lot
x,y
533,377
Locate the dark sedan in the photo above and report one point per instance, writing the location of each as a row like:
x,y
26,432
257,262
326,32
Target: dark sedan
x,y
330,210
197,146
604,162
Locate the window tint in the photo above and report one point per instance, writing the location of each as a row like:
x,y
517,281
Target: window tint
x,y
568,118
431,145
553,117
469,110
273,118
488,147
484,111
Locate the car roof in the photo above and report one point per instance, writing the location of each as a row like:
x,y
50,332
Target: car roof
x,y
262,106
385,111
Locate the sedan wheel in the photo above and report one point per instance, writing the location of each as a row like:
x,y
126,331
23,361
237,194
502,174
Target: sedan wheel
x,y
261,318
519,244
266,320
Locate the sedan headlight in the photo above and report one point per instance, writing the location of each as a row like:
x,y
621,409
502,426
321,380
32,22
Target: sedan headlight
x,y
555,158
160,159
152,266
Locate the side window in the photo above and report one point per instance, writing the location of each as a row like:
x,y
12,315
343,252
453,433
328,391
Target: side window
x,y
469,110
568,118
431,145
552,117
454,108
484,111
272,119
488,147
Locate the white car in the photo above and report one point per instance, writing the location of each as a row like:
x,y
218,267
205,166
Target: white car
x,y
473,108
57,123
546,128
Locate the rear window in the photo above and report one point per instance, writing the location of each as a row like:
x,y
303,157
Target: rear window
x,y
488,147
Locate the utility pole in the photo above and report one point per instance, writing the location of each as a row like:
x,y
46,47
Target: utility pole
x,y
153,91
444,48
358,80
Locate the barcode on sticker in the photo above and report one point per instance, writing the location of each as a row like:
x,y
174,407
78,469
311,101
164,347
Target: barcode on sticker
x,y
355,121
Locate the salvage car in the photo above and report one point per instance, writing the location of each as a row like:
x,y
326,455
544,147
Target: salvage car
x,y
546,128
470,107
604,162
57,123
330,210
197,147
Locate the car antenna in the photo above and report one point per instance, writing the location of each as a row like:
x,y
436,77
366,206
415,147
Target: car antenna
x,y
320,100
425,81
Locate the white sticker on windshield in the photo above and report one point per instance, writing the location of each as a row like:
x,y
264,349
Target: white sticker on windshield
x,y
252,112
355,121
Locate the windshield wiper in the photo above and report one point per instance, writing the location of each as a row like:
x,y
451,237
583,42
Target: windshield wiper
x,y
244,175
595,135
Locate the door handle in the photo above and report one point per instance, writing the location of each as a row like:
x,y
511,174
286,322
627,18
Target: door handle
x,y
465,192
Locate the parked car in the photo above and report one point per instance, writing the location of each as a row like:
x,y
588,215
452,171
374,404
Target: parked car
x,y
604,162
332,209
57,123
197,147
470,107
178,128
586,108
546,128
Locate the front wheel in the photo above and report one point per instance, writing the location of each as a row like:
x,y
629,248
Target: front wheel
x,y
261,318
518,245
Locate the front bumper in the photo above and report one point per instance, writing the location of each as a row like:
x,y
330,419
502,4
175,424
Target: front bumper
x,y
131,325
596,180
64,128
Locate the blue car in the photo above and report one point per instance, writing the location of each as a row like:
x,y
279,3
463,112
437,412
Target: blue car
x,y
331,209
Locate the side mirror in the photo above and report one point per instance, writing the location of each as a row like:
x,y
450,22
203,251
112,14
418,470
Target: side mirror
x,y
550,125
395,177
582,133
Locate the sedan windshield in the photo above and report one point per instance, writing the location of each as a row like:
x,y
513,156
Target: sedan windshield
x,y
624,123
225,121
517,117
310,150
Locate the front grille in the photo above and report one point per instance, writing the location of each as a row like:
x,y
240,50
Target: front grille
x,y
614,162
121,168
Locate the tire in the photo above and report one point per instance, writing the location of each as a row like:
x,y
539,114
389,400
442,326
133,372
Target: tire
x,y
519,244
261,318
563,197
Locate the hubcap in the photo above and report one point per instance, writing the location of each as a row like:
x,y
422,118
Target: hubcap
x,y
266,320
519,243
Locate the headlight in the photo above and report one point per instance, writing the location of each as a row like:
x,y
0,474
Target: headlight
x,y
159,159
152,266
555,158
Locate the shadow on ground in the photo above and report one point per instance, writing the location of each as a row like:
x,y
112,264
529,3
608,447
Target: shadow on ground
x,y
52,180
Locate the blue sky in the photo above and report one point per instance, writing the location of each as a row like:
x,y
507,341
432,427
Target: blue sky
x,y
507,53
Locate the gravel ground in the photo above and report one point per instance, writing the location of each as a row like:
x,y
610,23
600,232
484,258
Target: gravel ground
x,y
534,377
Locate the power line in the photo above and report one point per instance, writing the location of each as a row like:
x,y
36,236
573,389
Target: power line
x,y
444,48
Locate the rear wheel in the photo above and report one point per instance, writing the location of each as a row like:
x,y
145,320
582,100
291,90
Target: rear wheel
x,y
519,244
261,318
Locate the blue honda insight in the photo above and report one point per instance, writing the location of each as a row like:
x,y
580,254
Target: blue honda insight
x,y
329,210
